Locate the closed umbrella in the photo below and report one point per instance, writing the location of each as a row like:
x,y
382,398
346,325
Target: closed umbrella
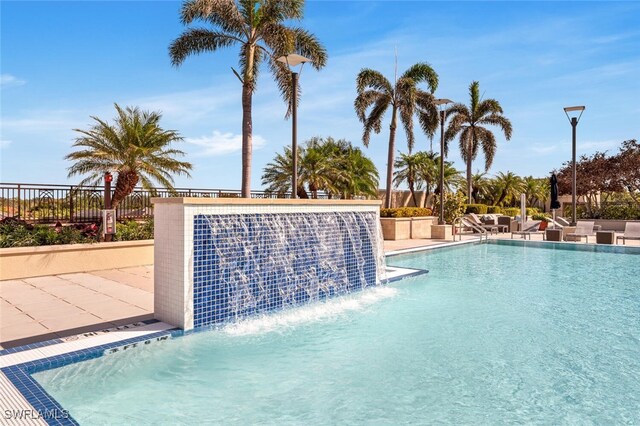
x,y
555,204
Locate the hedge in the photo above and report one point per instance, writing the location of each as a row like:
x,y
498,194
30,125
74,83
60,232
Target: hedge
x,y
476,208
405,212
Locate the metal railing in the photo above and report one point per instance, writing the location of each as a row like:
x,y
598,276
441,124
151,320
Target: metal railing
x,y
460,224
44,203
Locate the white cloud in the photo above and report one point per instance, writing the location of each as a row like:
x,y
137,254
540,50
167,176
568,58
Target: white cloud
x,y
4,143
222,143
8,80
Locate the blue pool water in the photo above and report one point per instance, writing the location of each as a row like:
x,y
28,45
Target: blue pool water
x,y
493,334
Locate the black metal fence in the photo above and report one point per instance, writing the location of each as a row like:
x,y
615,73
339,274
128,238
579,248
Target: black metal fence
x,y
76,204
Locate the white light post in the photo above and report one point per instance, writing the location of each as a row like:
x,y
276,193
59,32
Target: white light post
x,y
443,117
293,60
574,118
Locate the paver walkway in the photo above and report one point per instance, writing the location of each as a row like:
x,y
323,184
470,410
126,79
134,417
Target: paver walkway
x,y
43,308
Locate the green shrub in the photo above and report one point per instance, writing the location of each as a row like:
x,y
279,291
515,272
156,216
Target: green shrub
x,y
132,230
620,211
17,233
540,216
454,206
511,211
405,212
532,211
494,210
476,208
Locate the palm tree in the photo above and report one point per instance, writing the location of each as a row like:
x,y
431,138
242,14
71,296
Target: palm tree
x,y
135,147
429,172
511,186
408,170
317,170
258,28
480,185
469,122
537,190
334,167
376,94
277,174
360,176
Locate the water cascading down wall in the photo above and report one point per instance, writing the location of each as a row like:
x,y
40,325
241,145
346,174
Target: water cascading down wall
x,y
220,260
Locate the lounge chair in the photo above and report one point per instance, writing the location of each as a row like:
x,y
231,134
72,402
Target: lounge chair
x,y
528,228
631,232
584,228
491,228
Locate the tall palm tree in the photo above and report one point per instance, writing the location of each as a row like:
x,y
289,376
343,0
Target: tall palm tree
x,y
469,122
258,28
135,147
376,94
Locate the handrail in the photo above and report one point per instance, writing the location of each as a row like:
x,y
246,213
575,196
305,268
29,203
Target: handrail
x,y
51,203
461,224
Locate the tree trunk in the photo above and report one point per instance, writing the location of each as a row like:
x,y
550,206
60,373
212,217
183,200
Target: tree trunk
x,y
413,193
392,148
247,137
469,180
125,184
247,122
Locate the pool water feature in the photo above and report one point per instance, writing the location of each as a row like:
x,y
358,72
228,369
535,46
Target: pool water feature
x,y
493,334
247,264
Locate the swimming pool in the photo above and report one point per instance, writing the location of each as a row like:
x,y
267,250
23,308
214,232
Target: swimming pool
x,y
493,334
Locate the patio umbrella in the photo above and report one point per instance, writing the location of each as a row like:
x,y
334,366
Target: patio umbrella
x,y
555,204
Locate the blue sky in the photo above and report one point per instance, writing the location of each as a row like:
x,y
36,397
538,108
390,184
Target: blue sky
x,y
64,61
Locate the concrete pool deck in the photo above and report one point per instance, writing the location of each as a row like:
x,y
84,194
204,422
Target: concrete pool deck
x,y
50,307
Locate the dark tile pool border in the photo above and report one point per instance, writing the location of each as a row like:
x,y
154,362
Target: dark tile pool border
x,y
20,375
569,246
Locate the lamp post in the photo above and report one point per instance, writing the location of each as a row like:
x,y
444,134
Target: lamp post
x,y
294,60
443,117
108,178
574,118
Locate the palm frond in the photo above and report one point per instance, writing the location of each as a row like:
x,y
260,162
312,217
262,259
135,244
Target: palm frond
x,y
220,13
373,79
501,121
488,142
198,40
422,73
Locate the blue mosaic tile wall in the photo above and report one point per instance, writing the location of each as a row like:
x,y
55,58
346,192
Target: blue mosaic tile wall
x,y
252,263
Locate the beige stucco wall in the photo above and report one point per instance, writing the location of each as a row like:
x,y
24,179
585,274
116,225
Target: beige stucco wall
x,y
25,262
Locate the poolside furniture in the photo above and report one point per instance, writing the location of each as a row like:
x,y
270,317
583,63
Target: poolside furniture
x,y
604,237
492,228
584,228
553,234
528,228
510,224
631,232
